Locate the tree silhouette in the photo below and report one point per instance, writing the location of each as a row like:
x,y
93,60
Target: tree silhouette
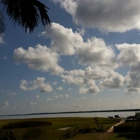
x,y
27,13
2,25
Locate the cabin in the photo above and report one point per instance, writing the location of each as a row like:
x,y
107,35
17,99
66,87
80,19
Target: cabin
x,y
116,116
110,117
131,118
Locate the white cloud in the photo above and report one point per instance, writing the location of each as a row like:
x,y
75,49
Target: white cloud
x,y
60,88
132,80
39,58
114,82
33,103
129,53
130,56
56,97
78,77
54,83
39,83
99,101
89,79
95,52
69,5
91,90
82,99
6,104
96,73
49,99
1,39
5,57
61,96
108,15
70,79
63,40
37,97
11,93
66,95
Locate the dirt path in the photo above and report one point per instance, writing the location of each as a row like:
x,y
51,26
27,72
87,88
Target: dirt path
x,y
112,128
104,135
65,128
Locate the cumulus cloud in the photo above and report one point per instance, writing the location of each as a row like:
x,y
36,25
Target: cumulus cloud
x,y
95,52
37,97
132,80
39,58
6,104
129,57
90,79
5,57
114,82
60,88
1,40
96,73
33,103
77,77
54,83
39,83
90,90
66,95
63,40
108,15
82,99
70,79
129,54
11,93
49,99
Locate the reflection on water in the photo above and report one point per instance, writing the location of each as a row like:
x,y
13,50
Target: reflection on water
x,y
121,114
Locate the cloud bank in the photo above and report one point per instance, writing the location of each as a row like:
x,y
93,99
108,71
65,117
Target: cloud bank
x,y
39,83
106,15
39,58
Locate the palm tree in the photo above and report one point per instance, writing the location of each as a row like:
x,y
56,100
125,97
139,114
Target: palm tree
x,y
2,25
27,13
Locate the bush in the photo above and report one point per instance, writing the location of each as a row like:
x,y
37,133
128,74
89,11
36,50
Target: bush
x,y
123,128
34,134
26,124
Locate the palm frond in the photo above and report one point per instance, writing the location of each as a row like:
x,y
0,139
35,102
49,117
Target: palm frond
x,y
2,25
27,13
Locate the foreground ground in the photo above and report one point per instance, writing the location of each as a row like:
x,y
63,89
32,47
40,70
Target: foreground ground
x,y
53,129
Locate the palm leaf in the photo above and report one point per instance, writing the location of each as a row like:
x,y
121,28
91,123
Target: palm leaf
x,y
27,13
2,25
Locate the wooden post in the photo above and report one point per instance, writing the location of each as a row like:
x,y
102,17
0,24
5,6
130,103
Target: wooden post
x,y
96,121
133,121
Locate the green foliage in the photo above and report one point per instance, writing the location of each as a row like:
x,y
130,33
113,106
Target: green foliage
x,y
124,128
26,124
35,131
32,134
137,114
27,13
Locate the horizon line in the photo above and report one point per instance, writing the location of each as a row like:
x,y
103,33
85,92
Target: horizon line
x,y
72,112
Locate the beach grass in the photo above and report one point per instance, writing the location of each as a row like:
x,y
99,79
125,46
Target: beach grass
x,y
47,128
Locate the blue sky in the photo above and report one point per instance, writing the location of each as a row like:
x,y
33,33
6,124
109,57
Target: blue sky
x,y
89,59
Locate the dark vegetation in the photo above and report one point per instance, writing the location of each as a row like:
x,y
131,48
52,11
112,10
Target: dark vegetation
x,y
80,129
132,125
26,124
47,129
36,12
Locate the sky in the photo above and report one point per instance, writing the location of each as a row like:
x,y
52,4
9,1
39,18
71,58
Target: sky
x,y
88,59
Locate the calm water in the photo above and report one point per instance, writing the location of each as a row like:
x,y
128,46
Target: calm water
x,y
121,114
